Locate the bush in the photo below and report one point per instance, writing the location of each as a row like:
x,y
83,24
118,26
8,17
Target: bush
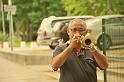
x,y
2,39
16,41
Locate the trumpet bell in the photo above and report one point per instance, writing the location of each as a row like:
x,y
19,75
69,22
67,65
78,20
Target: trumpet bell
x,y
87,41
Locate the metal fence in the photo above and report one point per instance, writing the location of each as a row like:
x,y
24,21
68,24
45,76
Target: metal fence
x,y
115,53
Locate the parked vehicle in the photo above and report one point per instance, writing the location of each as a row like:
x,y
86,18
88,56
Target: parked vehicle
x,y
45,30
60,36
114,30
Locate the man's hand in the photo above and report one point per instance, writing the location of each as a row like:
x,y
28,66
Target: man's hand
x,y
75,41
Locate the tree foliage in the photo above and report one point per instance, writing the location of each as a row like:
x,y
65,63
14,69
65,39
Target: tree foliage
x,y
31,12
93,7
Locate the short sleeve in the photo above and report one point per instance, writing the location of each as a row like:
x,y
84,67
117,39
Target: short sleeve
x,y
58,49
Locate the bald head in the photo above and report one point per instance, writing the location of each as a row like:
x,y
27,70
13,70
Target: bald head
x,y
77,22
78,27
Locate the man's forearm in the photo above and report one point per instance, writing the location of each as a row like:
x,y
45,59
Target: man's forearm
x,y
100,58
59,60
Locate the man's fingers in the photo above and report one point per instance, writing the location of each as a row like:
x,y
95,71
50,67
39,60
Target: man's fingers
x,y
77,40
76,36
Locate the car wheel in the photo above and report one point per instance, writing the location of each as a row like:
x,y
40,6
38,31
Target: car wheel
x,y
107,42
53,44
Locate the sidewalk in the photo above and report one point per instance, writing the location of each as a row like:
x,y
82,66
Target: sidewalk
x,y
28,56
12,72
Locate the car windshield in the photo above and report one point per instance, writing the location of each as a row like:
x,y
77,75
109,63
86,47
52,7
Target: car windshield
x,y
56,21
56,26
92,21
67,19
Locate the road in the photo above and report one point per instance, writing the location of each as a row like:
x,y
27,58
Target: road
x,y
12,72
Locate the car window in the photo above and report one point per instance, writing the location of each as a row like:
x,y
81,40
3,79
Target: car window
x,y
62,20
115,20
56,26
111,20
92,21
118,20
66,20
122,19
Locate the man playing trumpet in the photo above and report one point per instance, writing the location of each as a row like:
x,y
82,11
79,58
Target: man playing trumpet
x,y
76,63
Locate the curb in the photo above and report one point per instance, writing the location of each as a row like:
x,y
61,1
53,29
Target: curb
x,y
25,59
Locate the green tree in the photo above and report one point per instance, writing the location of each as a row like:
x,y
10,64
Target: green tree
x,y
93,7
31,12
118,6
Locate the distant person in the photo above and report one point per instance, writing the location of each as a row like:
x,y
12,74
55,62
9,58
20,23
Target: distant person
x,y
76,63
63,35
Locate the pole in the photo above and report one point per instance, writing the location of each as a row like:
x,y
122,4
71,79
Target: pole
x,y
104,46
11,26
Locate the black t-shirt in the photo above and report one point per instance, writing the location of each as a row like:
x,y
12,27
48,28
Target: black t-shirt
x,y
77,69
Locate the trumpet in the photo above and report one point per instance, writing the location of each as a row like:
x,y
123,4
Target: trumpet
x,y
87,41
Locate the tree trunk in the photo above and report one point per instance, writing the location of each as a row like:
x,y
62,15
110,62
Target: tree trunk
x,y
27,30
16,27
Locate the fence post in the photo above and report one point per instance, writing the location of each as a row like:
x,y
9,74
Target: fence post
x,y
104,46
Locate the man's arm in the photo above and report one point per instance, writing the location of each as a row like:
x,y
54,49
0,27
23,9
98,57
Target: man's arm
x,y
100,58
59,60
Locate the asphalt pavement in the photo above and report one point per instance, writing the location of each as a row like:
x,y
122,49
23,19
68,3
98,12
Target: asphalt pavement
x,y
12,72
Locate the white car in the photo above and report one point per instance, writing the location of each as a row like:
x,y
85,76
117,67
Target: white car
x,y
114,32
45,30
